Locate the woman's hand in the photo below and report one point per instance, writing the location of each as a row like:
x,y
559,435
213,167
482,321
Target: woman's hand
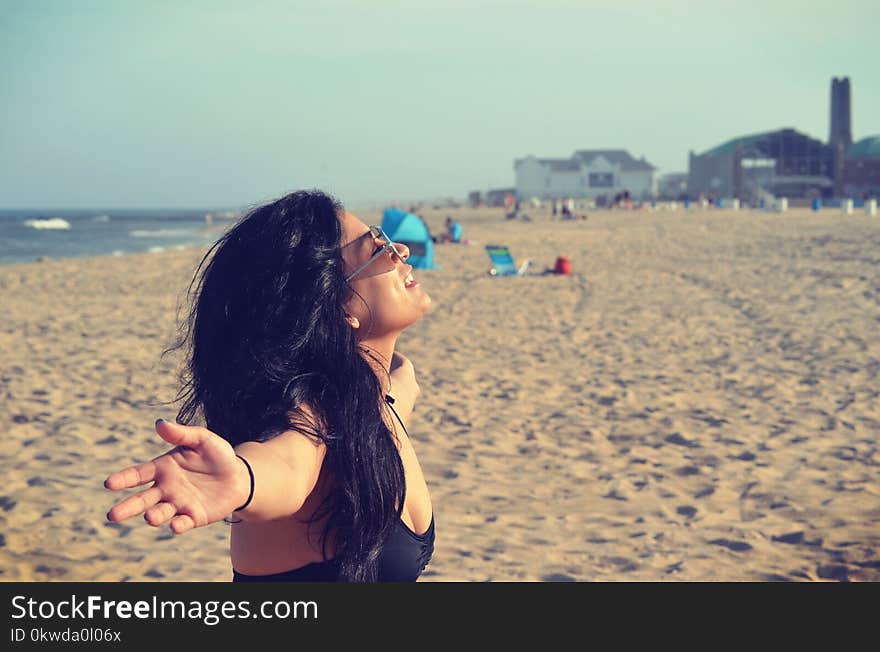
x,y
404,388
198,482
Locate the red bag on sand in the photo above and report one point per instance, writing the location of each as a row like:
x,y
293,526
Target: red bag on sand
x,y
563,265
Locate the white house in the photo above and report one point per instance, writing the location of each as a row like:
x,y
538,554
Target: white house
x,y
589,173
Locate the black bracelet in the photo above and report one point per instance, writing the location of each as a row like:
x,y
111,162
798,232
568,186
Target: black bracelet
x,y
251,473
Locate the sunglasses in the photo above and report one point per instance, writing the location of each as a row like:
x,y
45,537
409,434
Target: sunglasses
x,y
376,232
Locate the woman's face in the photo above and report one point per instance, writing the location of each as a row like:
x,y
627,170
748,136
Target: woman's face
x,y
392,305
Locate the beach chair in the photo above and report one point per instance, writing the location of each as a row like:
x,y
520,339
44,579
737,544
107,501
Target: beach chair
x,y
502,262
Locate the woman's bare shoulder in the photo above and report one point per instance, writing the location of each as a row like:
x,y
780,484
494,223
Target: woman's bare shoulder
x,y
300,445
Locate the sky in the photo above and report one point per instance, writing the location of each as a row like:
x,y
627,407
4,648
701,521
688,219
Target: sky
x,y
192,104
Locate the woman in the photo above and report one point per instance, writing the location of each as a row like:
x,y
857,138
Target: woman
x,y
291,364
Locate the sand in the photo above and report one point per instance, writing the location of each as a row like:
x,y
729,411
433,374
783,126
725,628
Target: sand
x,y
699,400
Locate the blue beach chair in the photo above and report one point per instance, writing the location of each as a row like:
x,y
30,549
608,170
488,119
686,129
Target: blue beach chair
x,y
502,262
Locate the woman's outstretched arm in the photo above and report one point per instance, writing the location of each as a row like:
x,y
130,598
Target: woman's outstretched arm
x,y
286,470
201,480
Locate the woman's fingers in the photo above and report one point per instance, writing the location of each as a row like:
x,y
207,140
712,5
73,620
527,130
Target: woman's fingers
x,y
159,514
131,477
182,523
174,433
135,504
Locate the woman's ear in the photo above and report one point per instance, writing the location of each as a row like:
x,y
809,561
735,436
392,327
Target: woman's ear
x,y
353,322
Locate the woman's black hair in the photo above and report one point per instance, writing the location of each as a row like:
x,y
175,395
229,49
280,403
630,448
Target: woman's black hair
x,y
265,335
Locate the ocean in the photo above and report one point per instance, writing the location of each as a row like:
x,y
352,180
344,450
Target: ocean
x,y
28,235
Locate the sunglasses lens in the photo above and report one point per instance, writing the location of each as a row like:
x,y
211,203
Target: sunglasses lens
x,y
379,233
383,260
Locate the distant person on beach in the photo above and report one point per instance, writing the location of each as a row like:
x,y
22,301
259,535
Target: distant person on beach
x,y
453,232
292,363
567,213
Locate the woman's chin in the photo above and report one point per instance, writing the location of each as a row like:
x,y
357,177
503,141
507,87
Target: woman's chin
x,y
425,309
428,303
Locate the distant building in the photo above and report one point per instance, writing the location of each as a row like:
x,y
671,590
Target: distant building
x,y
587,174
495,196
861,169
788,163
784,162
672,185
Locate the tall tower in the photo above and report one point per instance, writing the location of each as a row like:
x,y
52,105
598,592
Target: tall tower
x,y
841,116
840,134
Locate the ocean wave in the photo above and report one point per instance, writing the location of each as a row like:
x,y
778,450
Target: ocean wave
x,y
51,223
101,218
156,250
159,233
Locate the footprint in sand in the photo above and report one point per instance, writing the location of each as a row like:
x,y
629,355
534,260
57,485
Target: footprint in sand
x,y
674,568
558,577
623,564
84,527
122,528
736,546
833,572
51,571
791,537
687,511
678,440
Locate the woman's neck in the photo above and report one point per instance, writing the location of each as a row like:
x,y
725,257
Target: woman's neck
x,y
380,352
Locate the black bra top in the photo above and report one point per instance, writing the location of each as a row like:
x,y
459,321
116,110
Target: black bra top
x,y
403,558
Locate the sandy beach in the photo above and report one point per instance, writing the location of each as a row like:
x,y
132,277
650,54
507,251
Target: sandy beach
x,y
699,400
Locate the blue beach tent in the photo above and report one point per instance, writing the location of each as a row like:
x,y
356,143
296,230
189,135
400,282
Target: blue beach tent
x,y
409,229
